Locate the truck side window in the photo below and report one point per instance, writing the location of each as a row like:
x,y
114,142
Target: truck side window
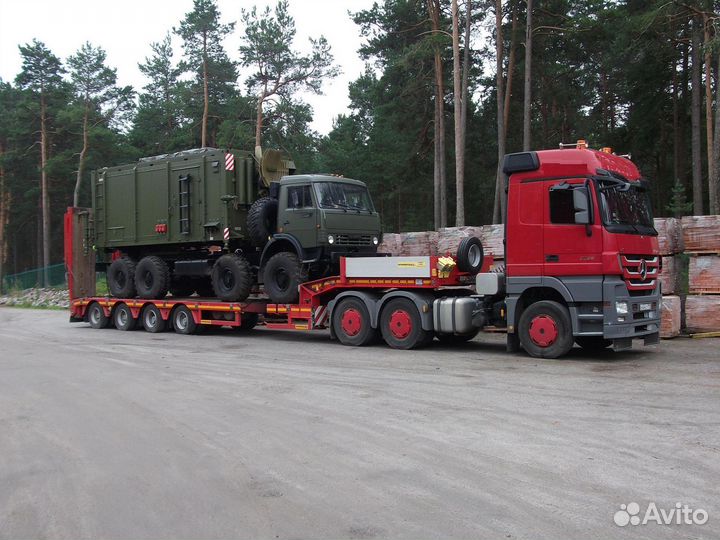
x,y
299,197
562,206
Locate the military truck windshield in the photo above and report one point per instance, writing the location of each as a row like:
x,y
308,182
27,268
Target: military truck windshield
x,y
626,208
345,196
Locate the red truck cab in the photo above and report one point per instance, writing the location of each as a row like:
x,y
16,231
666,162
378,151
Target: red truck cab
x,y
581,250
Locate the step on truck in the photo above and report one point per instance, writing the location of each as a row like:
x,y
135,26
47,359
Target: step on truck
x,y
581,267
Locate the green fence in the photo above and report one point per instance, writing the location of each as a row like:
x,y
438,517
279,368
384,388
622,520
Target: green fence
x,y
34,278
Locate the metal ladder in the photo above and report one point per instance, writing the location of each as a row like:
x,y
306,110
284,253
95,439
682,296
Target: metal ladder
x,y
184,203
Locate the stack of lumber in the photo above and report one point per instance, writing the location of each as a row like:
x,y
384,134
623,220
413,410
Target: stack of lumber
x,y
670,316
493,237
670,243
449,238
392,244
701,237
418,243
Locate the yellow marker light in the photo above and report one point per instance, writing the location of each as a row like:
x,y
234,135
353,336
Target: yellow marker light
x,y
606,150
582,144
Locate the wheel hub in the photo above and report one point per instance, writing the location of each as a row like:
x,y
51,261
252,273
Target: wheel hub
x,y
400,324
351,322
543,330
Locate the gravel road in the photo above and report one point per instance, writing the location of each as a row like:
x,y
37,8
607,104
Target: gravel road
x,y
113,435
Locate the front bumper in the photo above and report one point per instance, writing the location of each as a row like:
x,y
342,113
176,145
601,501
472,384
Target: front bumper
x,y
641,319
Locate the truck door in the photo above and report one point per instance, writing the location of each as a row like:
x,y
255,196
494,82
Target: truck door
x,y
298,214
569,248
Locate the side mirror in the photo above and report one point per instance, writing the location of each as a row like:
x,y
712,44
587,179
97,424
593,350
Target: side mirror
x,y
581,202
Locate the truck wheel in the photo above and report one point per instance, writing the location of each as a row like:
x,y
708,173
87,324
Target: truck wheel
x,y
96,316
262,220
232,278
122,318
351,323
454,339
545,330
248,321
401,325
283,275
183,321
121,278
470,255
180,287
593,343
152,278
152,319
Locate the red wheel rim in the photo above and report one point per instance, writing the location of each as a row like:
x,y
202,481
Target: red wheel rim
x,y
351,322
543,330
401,324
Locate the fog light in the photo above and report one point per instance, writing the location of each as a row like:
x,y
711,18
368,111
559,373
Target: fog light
x,y
376,240
621,319
621,308
331,239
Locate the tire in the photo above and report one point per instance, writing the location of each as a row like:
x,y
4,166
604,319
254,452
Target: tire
x,y
593,343
231,278
470,255
183,321
152,320
351,323
262,220
152,278
283,275
181,287
122,318
454,339
248,321
121,278
96,316
401,325
545,330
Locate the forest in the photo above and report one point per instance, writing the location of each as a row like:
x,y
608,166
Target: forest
x,y
449,87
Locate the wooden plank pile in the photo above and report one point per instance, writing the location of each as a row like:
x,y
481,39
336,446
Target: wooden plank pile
x,y
391,243
701,238
670,243
670,316
449,238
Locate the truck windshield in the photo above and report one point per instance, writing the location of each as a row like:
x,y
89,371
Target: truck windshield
x,y
345,196
626,208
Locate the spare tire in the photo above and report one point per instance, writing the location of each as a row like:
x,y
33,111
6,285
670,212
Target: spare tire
x,y
470,255
283,274
262,220
121,278
152,278
232,278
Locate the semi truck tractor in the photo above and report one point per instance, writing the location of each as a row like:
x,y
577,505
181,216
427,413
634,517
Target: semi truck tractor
x,y
219,222
581,267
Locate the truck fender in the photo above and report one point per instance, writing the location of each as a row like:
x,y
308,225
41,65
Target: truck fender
x,y
369,299
423,301
270,248
517,286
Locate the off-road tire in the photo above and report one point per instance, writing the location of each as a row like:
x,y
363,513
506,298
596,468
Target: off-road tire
x,y
262,220
121,278
283,274
152,278
232,278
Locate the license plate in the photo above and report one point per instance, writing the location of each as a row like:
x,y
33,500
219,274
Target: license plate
x,y
647,306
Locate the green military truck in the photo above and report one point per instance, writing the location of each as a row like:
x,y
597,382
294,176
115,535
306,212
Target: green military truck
x,y
219,222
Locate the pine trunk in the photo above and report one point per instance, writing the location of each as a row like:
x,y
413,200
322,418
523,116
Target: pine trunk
x,y
510,71
499,203
44,195
206,96
83,155
695,122
708,112
457,92
4,214
439,174
715,179
528,78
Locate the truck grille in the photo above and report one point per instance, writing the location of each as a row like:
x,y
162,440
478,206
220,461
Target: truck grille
x,y
640,271
353,240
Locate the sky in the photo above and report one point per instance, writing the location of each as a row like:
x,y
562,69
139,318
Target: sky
x,y
126,29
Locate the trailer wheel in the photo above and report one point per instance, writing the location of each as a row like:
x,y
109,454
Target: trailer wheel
x,y
122,318
545,330
180,287
282,276
351,323
454,339
262,220
183,321
121,278
152,278
96,316
232,278
401,325
248,321
470,255
593,343
152,319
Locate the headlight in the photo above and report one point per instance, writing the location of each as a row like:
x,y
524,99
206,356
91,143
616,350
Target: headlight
x,y
331,239
621,308
376,240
